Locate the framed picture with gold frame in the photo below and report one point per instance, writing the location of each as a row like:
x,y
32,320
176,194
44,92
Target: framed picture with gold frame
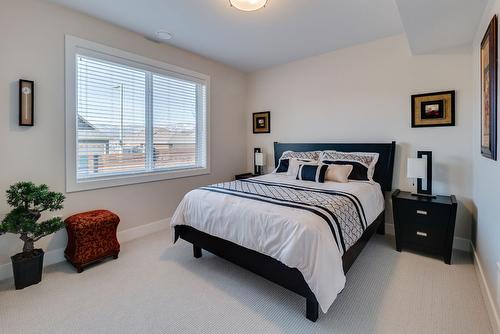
x,y
489,56
433,109
262,122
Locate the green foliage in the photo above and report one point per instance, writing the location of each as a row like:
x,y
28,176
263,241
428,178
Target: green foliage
x,y
29,201
35,198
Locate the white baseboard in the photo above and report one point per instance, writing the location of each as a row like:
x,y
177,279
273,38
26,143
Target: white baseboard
x,y
57,255
458,243
462,244
487,296
143,230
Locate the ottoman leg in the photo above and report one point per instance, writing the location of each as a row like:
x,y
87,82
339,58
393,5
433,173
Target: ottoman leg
x,y
115,256
79,269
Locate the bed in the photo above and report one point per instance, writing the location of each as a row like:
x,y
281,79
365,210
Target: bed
x,y
273,226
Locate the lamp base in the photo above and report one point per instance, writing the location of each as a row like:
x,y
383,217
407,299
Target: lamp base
x,y
423,195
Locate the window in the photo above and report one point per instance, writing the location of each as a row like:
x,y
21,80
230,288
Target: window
x,y
131,119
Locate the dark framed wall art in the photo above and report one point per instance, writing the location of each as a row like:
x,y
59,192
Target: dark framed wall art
x,y
26,103
433,109
262,122
488,55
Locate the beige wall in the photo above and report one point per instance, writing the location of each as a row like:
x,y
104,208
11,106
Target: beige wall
x,y
32,47
363,93
486,180
355,94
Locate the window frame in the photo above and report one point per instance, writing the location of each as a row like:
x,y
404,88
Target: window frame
x,y
76,46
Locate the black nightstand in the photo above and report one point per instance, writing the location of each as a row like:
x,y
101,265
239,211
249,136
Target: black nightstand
x,y
424,224
244,176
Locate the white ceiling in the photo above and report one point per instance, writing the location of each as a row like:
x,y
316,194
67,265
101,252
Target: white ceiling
x,y
285,30
435,25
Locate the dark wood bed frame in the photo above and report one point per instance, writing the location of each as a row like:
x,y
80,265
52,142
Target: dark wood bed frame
x,y
272,269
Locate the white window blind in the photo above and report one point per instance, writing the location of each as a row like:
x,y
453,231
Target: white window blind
x,y
136,121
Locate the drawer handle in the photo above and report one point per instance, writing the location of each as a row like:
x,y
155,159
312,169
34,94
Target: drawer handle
x,y
421,212
422,234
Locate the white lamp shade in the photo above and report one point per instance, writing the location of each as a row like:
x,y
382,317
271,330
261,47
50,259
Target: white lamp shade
x,y
259,159
416,168
248,5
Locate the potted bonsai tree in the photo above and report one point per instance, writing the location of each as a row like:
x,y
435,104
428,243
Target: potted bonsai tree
x,y
29,201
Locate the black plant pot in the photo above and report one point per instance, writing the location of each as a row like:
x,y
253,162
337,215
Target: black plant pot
x,y
27,268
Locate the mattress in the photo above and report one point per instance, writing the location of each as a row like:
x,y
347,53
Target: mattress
x,y
305,225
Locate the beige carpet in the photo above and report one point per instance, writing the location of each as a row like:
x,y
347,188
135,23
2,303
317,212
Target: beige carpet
x,y
156,287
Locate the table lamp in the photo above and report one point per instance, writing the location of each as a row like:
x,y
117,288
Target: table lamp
x,y
258,161
420,168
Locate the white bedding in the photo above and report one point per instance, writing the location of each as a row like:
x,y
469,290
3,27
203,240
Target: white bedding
x,y
296,237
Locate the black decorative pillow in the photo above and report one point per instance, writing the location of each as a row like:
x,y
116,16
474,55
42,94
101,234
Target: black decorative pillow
x,y
283,166
315,173
363,163
359,172
290,165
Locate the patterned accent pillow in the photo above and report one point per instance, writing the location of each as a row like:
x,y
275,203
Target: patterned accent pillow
x,y
315,173
363,163
287,161
311,155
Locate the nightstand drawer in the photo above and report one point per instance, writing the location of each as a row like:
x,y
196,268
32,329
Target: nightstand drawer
x,y
423,236
423,213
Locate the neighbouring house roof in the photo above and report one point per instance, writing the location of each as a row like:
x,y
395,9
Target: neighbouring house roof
x,y
83,124
179,133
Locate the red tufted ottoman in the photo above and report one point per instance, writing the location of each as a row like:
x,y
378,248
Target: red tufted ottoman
x,y
91,237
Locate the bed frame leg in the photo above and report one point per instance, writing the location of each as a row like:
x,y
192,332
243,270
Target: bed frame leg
x,y
381,227
196,251
312,309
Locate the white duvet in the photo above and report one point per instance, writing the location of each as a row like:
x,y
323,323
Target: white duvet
x,y
298,238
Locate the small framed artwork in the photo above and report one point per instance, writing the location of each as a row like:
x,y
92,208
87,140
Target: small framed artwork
x,y
26,103
488,57
433,109
262,122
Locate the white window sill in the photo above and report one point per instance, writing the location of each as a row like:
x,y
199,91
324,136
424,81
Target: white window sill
x,y
128,179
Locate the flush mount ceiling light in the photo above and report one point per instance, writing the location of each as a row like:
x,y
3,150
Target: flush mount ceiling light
x,y
248,5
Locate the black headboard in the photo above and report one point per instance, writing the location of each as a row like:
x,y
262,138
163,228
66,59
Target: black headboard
x,y
383,169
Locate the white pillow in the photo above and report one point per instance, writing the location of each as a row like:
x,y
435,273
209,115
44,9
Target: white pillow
x,y
293,167
338,173
309,156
